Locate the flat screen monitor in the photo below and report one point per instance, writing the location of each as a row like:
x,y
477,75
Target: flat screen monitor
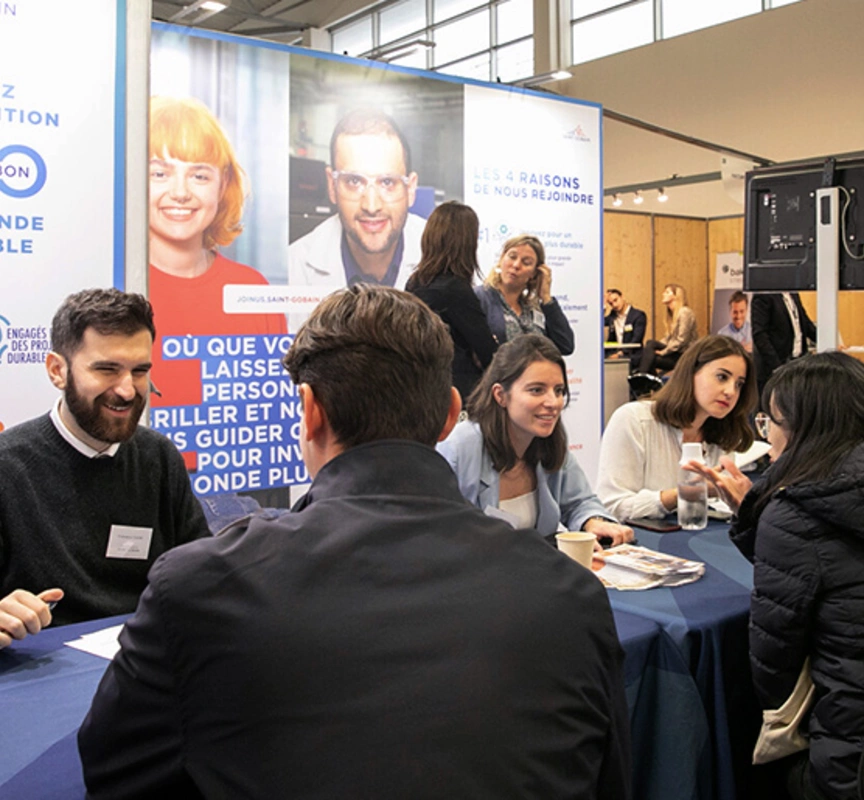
x,y
780,224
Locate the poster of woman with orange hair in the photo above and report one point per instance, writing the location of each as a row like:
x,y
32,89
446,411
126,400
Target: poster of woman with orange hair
x,y
197,193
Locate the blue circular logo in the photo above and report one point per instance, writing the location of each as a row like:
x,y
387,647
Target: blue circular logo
x,y
11,171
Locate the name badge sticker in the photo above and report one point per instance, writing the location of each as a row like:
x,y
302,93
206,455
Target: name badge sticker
x,y
128,541
539,318
628,328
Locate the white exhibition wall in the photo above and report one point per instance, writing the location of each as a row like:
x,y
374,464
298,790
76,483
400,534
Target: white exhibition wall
x,y
61,180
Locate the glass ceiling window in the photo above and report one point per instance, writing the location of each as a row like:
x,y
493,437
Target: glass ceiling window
x,y
685,16
402,19
446,9
353,39
515,20
469,34
621,29
515,61
480,39
602,27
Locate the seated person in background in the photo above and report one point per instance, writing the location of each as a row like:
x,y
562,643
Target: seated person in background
x,y
708,399
681,332
738,327
801,528
625,324
442,280
517,296
345,649
88,499
511,454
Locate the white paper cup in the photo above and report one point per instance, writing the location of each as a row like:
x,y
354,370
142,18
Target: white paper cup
x,y
579,545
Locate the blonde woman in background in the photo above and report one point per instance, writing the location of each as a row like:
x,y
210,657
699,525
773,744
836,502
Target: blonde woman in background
x,y
517,296
681,332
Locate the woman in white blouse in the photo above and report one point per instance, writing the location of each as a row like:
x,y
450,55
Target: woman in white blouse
x,y
708,399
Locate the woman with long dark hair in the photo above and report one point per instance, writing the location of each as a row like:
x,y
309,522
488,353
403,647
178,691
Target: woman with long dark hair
x,y
442,280
511,457
802,528
708,399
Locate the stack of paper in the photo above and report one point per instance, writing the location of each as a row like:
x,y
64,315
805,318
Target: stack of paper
x,y
630,567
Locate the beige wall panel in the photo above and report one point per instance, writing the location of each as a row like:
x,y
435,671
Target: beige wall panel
x,y
627,257
851,316
681,256
850,313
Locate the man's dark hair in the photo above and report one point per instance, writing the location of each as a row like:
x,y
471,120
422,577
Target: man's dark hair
x,y
737,297
107,311
508,364
614,291
369,122
675,404
379,362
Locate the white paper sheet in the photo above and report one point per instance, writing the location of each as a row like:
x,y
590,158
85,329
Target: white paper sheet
x,y
99,643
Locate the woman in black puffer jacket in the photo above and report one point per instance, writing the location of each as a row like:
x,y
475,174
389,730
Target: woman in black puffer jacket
x,y
803,528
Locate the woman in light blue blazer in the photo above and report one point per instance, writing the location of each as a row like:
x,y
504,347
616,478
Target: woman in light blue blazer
x,y
511,457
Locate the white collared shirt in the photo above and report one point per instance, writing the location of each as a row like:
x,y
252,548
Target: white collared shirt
x,y
798,340
619,322
70,437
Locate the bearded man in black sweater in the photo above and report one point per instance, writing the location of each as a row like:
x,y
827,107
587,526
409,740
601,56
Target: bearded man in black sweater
x,y
88,500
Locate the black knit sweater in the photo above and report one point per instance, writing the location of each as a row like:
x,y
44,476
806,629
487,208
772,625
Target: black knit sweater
x,y
57,507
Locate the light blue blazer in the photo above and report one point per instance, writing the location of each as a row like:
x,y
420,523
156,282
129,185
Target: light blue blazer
x,y
563,497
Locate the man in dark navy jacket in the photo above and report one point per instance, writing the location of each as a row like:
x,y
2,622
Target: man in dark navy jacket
x,y
382,639
624,324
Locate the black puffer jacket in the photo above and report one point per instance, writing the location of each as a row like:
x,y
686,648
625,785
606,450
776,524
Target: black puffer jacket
x,y
807,548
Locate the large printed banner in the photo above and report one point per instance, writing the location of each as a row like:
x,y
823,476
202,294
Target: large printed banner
x,y
61,185
278,175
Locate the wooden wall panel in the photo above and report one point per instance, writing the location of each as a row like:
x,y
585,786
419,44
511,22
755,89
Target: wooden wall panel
x,y
627,257
643,252
850,313
680,256
724,236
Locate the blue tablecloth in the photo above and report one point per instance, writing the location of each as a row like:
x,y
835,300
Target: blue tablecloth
x,y
685,669
46,689
706,623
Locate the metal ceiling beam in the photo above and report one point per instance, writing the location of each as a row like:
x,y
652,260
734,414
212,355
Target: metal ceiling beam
x,y
608,113
665,183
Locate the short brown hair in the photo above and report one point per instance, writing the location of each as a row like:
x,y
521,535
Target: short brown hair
x,y
107,311
379,362
508,364
449,243
737,297
368,122
676,402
